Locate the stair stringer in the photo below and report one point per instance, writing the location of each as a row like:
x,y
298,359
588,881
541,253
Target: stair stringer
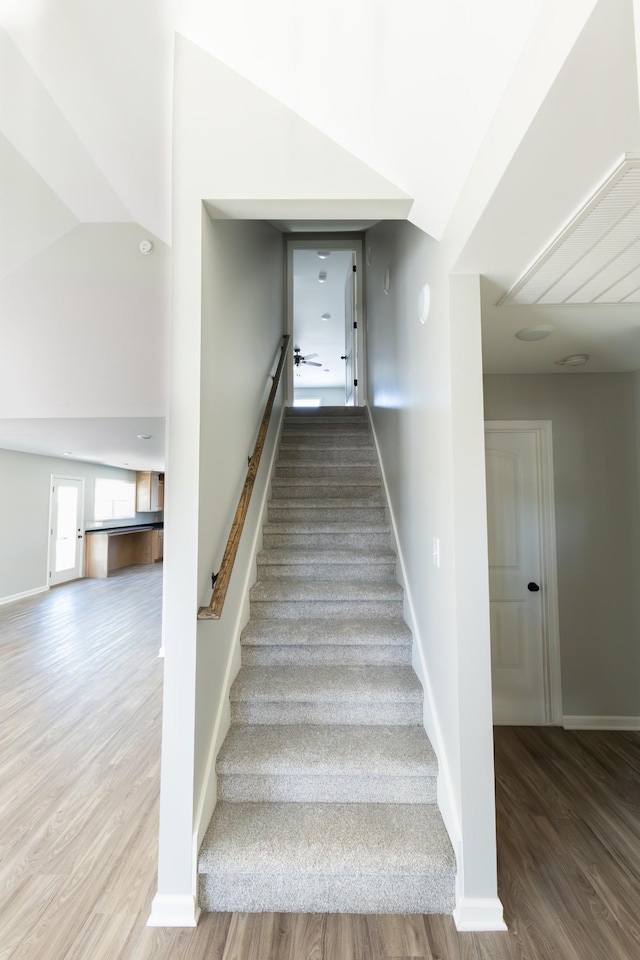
x,y
208,796
446,795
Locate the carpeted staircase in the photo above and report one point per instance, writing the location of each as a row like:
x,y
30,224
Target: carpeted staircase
x,y
327,780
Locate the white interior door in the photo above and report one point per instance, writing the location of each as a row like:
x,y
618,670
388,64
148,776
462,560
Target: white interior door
x,y
66,534
515,530
350,366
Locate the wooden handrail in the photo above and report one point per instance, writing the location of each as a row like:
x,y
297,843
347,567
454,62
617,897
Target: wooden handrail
x,y
221,585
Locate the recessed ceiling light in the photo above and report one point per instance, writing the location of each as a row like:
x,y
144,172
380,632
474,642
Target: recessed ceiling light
x,y
574,360
144,436
326,316
322,276
323,254
535,333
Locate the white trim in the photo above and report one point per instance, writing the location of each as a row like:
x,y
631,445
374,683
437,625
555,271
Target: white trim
x,y
542,430
206,802
179,910
331,241
24,595
477,914
446,795
601,723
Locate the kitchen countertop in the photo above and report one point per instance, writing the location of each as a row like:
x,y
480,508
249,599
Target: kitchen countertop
x,y
135,528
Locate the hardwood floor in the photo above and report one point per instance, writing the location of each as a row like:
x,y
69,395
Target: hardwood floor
x,y
80,684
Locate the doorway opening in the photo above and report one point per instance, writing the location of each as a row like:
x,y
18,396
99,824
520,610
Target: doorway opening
x,y
324,298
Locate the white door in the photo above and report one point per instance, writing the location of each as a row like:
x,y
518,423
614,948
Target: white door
x,y
519,631
350,366
66,533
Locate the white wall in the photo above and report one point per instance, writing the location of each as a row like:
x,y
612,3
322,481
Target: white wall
x,y
425,399
242,327
598,537
25,490
329,396
84,327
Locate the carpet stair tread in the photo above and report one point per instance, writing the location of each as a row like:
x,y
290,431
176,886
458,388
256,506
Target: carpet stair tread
x,y
327,684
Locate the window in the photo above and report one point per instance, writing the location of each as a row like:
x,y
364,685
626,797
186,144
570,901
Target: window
x,y
309,402
114,499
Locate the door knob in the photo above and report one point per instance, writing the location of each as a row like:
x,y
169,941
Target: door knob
x,y
533,587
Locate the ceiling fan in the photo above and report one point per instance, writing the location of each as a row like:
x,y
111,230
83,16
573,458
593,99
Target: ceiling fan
x,y
299,359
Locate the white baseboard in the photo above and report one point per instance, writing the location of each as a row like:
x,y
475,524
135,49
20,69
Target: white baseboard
x,y
476,914
601,723
23,596
179,910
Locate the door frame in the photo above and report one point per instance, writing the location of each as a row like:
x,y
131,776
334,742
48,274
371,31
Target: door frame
x,y
330,241
50,558
543,434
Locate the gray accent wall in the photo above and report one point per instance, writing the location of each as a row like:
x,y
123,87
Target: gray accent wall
x,y
25,484
596,499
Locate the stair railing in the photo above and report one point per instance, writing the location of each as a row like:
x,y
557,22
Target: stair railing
x,y
222,578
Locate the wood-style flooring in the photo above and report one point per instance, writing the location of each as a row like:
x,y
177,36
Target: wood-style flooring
x,y
80,705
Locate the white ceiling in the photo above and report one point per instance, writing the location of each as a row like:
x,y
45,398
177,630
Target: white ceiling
x,y
107,440
99,82
310,300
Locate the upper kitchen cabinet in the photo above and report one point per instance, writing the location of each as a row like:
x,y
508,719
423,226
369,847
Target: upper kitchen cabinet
x,y
149,491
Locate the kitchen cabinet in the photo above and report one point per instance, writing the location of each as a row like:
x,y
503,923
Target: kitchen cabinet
x,y
157,545
149,491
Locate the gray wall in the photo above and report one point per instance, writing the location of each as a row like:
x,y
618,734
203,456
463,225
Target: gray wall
x,y
596,496
25,483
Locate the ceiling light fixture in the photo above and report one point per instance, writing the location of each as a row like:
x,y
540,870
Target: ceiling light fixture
x,y
323,254
322,276
535,333
144,436
573,360
326,316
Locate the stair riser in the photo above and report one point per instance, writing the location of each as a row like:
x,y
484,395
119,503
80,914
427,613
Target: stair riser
x,y
318,514
289,711
337,541
319,491
341,441
237,788
328,471
309,452
329,655
318,571
326,609
313,893
322,413
319,427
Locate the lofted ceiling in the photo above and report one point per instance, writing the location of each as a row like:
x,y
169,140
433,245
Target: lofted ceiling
x,y
97,83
